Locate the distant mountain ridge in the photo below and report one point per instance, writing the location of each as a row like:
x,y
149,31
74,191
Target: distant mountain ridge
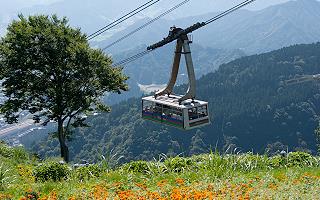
x,y
92,15
293,22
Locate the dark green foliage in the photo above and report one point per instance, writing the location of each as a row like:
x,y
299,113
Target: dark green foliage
x,y
179,164
300,159
293,159
137,167
88,172
277,161
53,171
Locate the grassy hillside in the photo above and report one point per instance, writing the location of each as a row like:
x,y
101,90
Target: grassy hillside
x,y
206,176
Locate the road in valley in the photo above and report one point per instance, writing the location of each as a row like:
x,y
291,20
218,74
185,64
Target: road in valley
x,y
15,127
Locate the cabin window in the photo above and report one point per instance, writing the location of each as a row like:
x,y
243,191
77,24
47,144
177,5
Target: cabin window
x,y
172,113
193,114
198,112
148,106
203,111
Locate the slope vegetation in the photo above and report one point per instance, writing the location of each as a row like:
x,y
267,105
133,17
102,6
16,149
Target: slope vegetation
x,y
207,176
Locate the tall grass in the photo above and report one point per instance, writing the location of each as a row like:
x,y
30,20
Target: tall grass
x,y
20,175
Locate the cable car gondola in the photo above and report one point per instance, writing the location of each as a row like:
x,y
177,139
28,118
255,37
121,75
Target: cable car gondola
x,y
184,112
167,110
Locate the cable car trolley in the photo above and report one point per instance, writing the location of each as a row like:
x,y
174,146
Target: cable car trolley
x,y
181,111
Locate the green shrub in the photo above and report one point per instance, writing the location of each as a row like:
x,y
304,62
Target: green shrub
x,y
299,159
137,167
6,151
277,161
294,159
87,172
179,164
20,153
51,171
17,153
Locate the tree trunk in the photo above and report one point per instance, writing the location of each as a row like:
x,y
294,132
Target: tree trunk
x,y
62,140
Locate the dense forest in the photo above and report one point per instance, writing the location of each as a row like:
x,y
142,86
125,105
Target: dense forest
x,y
250,110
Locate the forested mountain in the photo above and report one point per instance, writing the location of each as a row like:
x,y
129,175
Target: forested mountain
x,y
249,108
293,22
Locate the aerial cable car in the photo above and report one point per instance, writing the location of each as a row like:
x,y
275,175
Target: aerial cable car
x,y
181,111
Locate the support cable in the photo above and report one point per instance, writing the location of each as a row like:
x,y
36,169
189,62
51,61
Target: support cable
x,y
123,18
183,32
132,58
229,11
146,24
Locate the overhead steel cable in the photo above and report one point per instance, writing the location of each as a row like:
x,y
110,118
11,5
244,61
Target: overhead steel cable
x,y
183,32
196,26
229,11
132,58
123,18
146,24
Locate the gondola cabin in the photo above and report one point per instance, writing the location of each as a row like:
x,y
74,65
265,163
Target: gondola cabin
x,y
167,110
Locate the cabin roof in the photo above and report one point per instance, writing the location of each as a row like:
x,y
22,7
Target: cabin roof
x,y
172,101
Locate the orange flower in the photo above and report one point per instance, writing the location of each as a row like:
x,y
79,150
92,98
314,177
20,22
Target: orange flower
x,y
53,196
272,186
176,194
100,193
128,194
197,195
44,198
142,186
180,181
296,181
210,187
162,183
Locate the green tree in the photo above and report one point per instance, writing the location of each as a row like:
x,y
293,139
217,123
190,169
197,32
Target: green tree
x,y
50,70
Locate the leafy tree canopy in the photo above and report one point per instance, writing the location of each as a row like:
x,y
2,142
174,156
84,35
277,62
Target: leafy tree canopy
x,y
50,70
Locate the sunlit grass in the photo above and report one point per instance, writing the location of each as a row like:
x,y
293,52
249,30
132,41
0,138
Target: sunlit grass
x,y
209,176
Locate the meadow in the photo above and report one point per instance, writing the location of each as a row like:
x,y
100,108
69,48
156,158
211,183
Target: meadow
x,y
295,175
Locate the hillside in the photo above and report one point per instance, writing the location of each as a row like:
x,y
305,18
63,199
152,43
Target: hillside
x,y
207,176
293,22
245,99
